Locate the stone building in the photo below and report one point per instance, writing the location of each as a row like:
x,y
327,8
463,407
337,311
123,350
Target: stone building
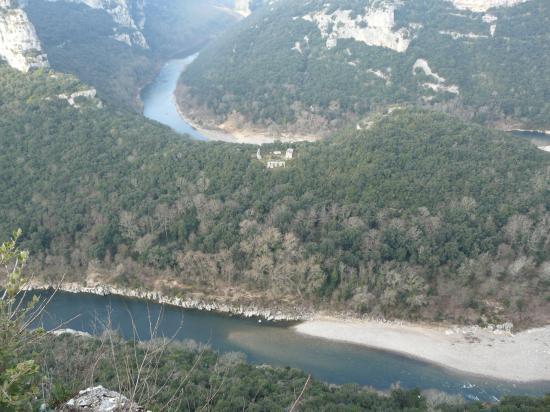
x,y
274,164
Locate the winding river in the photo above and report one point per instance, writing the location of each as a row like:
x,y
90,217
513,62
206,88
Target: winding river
x,y
159,104
265,342
537,138
274,344
159,101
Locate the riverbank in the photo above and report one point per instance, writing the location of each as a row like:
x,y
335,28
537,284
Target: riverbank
x,y
234,129
248,311
496,353
244,135
210,134
543,132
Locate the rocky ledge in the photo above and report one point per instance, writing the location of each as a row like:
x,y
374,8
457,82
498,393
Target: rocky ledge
x,y
99,399
248,311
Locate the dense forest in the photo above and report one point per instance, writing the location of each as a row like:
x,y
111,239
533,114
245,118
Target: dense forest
x,y
186,376
80,40
279,70
421,216
42,371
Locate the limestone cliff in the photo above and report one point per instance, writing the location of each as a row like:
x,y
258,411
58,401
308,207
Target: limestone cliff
x,y
121,13
331,59
19,44
376,27
242,7
484,5
100,399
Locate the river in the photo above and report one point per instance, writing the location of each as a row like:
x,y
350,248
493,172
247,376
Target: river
x,y
537,138
274,344
265,342
159,102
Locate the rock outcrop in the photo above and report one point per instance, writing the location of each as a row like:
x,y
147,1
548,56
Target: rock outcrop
x,y
242,7
19,44
374,28
246,311
89,94
121,13
438,84
480,6
69,331
99,399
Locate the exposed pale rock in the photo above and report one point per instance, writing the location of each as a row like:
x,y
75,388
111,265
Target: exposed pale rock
x,y
69,331
380,74
425,67
19,44
120,13
186,303
455,35
99,399
88,94
484,5
242,7
123,38
374,28
140,13
298,47
439,85
489,18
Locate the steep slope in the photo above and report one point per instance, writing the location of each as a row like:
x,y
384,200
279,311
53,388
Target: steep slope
x,y
81,40
67,359
120,11
421,216
19,44
117,46
173,26
314,66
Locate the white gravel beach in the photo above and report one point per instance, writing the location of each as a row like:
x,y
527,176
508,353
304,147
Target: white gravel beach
x,y
521,357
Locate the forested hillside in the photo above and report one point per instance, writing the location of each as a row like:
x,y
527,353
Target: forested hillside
x,y
118,47
420,216
185,376
312,67
42,371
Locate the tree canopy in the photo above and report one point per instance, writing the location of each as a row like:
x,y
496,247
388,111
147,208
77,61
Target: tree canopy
x,y
420,216
276,70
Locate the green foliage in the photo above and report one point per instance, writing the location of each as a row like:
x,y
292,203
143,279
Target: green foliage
x,y
203,379
175,27
256,70
416,217
79,40
18,377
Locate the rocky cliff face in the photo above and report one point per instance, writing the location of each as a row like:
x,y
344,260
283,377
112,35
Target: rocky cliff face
x,y
99,399
121,12
376,27
19,44
348,58
484,5
242,7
